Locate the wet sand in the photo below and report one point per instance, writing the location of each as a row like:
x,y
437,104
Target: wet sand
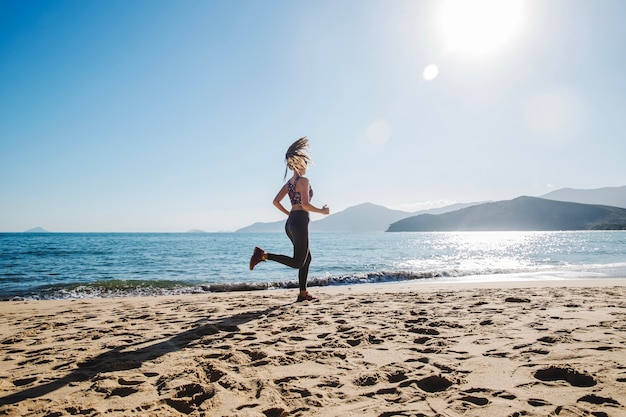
x,y
475,349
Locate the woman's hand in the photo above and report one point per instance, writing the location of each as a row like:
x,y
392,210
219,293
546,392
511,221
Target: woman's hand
x,y
325,210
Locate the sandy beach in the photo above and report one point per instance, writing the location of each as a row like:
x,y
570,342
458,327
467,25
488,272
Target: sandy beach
x,y
554,348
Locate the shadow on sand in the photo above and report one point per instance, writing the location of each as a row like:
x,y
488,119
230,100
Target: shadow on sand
x,y
132,357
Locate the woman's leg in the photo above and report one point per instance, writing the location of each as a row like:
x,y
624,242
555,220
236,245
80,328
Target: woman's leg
x,y
303,273
297,228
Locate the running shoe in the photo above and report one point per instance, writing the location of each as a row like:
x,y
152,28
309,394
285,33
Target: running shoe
x,y
307,297
259,255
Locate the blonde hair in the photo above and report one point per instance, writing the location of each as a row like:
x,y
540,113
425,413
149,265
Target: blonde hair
x,y
297,156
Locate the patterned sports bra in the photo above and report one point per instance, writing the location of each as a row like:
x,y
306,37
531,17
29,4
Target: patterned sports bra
x,y
294,196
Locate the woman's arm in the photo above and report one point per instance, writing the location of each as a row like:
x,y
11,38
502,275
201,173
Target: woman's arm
x,y
303,188
279,197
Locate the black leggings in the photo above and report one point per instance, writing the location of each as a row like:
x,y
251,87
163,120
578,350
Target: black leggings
x,y
297,228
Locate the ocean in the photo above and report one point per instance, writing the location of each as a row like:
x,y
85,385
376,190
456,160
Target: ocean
x,y
88,265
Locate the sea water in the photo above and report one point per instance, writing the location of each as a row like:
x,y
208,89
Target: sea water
x,y
79,265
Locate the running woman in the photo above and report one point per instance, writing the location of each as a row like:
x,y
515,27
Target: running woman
x,y
297,226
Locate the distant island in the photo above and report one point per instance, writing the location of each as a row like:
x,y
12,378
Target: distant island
x,y
36,230
522,213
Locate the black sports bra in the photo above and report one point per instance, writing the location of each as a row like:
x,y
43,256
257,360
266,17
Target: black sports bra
x,y
294,196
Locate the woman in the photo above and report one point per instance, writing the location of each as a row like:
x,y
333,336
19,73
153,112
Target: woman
x,y
297,226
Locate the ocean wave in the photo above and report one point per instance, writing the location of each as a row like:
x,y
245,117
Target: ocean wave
x,y
136,287
129,288
101,289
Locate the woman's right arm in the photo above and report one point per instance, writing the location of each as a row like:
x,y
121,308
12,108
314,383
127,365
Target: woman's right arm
x,y
279,197
303,188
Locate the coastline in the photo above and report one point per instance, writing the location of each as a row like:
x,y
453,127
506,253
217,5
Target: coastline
x,y
112,265
523,347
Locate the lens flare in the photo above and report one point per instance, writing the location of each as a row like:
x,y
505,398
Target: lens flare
x,y
379,132
430,72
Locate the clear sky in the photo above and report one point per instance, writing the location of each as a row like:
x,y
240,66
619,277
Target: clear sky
x,y
152,115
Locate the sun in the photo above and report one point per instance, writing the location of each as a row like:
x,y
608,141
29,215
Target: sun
x,y
480,27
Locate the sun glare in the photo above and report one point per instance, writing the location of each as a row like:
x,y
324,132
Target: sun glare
x,y
480,26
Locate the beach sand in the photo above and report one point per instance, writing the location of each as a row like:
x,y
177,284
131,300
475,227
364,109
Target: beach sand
x,y
531,348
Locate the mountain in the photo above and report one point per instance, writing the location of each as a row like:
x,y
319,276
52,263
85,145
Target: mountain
x,y
608,196
447,209
36,230
522,213
261,227
366,217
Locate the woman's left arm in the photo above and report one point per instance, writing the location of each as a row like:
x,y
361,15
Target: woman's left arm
x,y
279,198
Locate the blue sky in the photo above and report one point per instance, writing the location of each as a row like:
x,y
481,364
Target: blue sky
x,y
151,115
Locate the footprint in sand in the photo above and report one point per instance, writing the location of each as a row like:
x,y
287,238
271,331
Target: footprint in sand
x,y
537,402
183,396
572,377
433,383
554,339
24,381
367,380
423,330
595,399
111,387
475,400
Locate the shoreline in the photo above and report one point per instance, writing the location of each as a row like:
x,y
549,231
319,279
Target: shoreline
x,y
507,279
523,347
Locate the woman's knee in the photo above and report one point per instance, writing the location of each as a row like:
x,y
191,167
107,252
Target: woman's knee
x,y
307,261
303,260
